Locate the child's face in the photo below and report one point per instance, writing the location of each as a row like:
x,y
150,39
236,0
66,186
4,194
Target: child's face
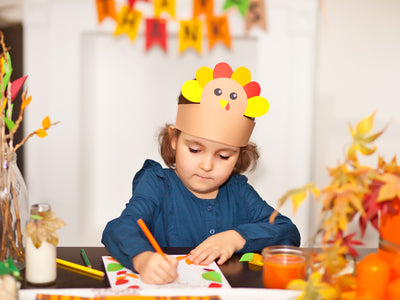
x,y
203,165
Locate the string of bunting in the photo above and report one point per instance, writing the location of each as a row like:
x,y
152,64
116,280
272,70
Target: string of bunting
x,y
128,19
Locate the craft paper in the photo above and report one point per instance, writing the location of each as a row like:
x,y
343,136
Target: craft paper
x,y
6,70
218,30
128,21
156,33
203,7
256,15
242,5
105,8
221,105
190,276
167,6
16,86
190,35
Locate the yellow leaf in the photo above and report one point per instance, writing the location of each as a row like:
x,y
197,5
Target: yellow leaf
x,y
297,199
391,188
41,133
365,125
46,123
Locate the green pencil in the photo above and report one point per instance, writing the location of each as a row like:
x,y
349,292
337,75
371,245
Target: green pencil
x,y
85,258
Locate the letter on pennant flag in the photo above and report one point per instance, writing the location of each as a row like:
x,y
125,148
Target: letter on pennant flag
x,y
128,21
190,35
156,33
242,5
203,7
105,8
256,15
164,5
218,30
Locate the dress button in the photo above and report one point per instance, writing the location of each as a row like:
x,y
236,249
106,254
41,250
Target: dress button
x,y
209,208
212,231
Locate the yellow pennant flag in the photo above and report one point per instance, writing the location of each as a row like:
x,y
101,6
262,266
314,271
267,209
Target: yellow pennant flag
x,y
202,7
128,21
164,6
218,30
256,15
190,35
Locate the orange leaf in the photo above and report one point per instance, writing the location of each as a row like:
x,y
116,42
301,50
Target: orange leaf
x,y
41,133
46,123
390,189
26,102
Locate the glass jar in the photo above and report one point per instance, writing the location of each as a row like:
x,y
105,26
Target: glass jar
x,y
281,264
13,211
41,261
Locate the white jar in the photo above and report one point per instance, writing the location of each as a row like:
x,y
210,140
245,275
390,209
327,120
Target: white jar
x,y
41,262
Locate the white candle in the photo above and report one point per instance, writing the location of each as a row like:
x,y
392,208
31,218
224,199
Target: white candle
x,y
41,262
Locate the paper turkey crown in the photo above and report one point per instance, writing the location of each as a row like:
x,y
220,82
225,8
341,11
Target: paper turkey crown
x,y
225,102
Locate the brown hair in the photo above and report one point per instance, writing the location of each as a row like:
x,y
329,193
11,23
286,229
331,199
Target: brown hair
x,y
248,156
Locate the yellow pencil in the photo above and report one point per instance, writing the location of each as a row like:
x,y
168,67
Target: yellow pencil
x,y
80,268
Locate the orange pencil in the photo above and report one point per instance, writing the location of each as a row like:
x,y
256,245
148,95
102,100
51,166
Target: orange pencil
x,y
151,238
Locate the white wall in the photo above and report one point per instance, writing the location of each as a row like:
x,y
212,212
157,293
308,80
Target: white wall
x,y
85,166
357,73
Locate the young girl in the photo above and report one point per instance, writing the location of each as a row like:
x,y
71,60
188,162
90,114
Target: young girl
x,y
200,201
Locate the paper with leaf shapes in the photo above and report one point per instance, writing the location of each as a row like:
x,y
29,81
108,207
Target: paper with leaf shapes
x,y
190,276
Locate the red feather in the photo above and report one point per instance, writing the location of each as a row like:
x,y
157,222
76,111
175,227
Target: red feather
x,y
252,89
222,70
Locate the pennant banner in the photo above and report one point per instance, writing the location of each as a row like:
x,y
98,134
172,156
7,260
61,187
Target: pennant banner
x,y
105,8
190,31
156,33
202,7
242,5
190,35
128,21
218,31
164,6
256,15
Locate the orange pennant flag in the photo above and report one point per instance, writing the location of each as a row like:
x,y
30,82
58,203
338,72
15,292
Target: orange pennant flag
x,y
105,8
164,6
156,33
256,15
218,30
128,21
190,35
203,7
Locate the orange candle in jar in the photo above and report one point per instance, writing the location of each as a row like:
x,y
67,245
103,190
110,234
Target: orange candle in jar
x,y
281,264
372,276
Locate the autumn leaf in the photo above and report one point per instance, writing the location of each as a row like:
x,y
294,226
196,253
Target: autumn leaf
x,y
46,123
332,259
391,187
297,196
44,229
362,138
314,288
41,133
25,102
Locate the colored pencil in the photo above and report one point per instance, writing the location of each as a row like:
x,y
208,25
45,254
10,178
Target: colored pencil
x,y
85,258
151,238
80,268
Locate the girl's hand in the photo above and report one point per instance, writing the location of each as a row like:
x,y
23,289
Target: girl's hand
x,y
154,269
221,245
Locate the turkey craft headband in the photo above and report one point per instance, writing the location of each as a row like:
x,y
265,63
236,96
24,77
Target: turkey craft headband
x,y
223,103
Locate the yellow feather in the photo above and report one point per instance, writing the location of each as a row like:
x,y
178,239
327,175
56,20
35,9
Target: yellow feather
x,y
256,107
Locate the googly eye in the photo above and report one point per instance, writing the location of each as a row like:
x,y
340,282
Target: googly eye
x,y
218,92
233,96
